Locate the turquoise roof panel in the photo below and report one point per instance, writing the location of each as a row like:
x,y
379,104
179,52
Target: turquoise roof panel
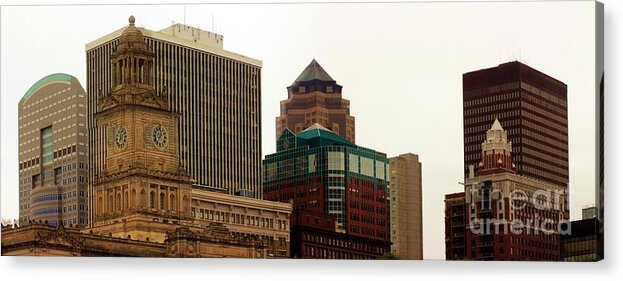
x,y
52,78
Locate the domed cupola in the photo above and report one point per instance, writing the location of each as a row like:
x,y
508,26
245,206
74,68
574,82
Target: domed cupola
x,y
132,61
132,39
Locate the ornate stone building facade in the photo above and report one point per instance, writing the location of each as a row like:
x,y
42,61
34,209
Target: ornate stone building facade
x,y
265,220
144,202
216,94
506,216
142,190
41,239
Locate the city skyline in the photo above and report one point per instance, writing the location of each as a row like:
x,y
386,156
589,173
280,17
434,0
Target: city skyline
x,y
356,70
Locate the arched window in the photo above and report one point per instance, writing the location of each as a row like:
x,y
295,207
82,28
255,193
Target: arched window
x,y
143,198
118,201
184,204
100,205
162,200
172,203
127,200
152,200
110,205
133,198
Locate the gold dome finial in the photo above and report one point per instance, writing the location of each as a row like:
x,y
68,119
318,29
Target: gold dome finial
x,y
131,20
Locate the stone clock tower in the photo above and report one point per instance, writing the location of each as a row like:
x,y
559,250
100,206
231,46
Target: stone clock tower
x,y
143,192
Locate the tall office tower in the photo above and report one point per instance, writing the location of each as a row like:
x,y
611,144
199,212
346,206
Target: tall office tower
x,y
217,94
53,152
315,97
532,106
507,216
405,191
325,174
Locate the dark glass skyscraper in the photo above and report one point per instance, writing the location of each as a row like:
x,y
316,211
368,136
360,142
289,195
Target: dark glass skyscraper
x,y
531,106
323,172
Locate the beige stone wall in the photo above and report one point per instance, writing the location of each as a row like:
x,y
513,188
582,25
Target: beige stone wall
x,y
267,220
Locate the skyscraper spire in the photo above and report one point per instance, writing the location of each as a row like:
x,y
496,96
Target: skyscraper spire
x,y
496,152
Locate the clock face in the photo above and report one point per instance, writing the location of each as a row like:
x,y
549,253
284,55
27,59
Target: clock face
x,y
159,136
121,137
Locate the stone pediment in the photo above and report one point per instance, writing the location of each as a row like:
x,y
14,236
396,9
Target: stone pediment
x,y
60,237
108,102
149,99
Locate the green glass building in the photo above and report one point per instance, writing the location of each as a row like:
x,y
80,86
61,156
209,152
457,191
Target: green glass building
x,y
320,171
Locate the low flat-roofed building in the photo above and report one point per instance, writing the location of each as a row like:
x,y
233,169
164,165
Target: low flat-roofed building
x,y
267,220
581,243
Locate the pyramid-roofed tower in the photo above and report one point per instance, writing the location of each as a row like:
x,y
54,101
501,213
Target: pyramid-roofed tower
x,y
315,97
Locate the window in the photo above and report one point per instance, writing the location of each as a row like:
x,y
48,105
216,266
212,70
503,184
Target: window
x,y
152,198
172,202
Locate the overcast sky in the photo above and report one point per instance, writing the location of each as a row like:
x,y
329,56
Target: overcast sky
x,y
401,67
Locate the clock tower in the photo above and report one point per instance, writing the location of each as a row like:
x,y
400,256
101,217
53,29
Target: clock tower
x,y
142,192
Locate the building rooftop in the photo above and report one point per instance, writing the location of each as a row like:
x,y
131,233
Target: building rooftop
x,y
318,135
184,35
314,71
49,79
496,126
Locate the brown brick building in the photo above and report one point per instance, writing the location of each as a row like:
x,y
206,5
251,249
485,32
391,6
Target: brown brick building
x,y
314,236
507,216
455,225
321,172
315,97
531,106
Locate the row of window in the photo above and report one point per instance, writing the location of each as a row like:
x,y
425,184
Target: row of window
x,y
73,194
64,151
53,210
59,111
491,108
234,218
482,129
335,161
496,97
368,231
544,94
558,117
46,98
57,154
48,197
334,242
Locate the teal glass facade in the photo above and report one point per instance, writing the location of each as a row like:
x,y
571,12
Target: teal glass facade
x,y
320,171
